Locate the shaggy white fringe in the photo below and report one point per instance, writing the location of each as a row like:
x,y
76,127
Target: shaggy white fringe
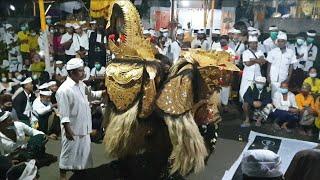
x,y
120,132
189,150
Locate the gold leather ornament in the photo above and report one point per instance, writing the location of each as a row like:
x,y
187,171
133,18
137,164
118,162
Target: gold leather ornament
x,y
177,95
219,59
148,98
123,82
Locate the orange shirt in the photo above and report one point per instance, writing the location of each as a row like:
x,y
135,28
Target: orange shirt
x,y
305,102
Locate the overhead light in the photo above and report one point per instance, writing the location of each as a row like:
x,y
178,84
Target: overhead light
x,y
12,7
185,3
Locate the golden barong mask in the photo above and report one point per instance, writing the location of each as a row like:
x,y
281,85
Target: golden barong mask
x,y
134,45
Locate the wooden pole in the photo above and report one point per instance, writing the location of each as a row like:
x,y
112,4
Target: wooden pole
x,y
172,11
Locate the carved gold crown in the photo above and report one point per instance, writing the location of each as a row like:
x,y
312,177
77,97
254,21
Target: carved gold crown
x,y
134,46
219,59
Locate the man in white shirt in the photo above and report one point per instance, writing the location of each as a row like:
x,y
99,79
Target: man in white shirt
x,y
98,70
12,142
301,52
312,49
76,123
83,42
252,60
225,88
11,40
256,32
237,46
97,76
215,39
286,109
201,41
42,109
60,72
281,60
87,72
270,43
70,42
175,47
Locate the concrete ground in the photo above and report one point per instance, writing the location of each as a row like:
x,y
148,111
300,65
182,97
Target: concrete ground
x,y
226,153
229,146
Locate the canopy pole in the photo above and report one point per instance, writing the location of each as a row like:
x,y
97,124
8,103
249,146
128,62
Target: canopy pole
x,y
44,34
42,15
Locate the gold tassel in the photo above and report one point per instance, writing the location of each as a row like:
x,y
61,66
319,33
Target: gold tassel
x,y
121,137
189,150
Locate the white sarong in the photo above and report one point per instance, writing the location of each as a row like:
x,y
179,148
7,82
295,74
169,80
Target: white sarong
x,y
76,154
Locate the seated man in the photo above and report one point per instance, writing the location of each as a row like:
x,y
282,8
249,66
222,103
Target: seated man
x,y
287,112
97,76
313,81
42,109
258,99
305,103
13,140
317,121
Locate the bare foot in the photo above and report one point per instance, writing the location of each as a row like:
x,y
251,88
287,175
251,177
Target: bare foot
x,y
53,137
284,126
276,126
246,123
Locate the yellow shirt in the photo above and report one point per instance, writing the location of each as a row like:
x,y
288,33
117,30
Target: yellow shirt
x,y
37,67
33,42
304,102
315,87
24,47
317,108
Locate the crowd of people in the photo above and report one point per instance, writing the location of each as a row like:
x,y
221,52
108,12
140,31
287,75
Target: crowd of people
x,y
278,81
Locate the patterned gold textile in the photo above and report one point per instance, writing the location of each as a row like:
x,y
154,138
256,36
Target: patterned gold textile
x,y
123,82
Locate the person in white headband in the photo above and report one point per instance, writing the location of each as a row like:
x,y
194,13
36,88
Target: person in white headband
x,y
312,49
22,103
269,43
280,71
76,122
42,108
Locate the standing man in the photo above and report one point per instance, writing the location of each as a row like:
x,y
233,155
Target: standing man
x,y
312,50
23,40
83,42
252,60
300,50
215,43
239,46
281,60
175,47
69,43
76,123
22,104
201,41
270,43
